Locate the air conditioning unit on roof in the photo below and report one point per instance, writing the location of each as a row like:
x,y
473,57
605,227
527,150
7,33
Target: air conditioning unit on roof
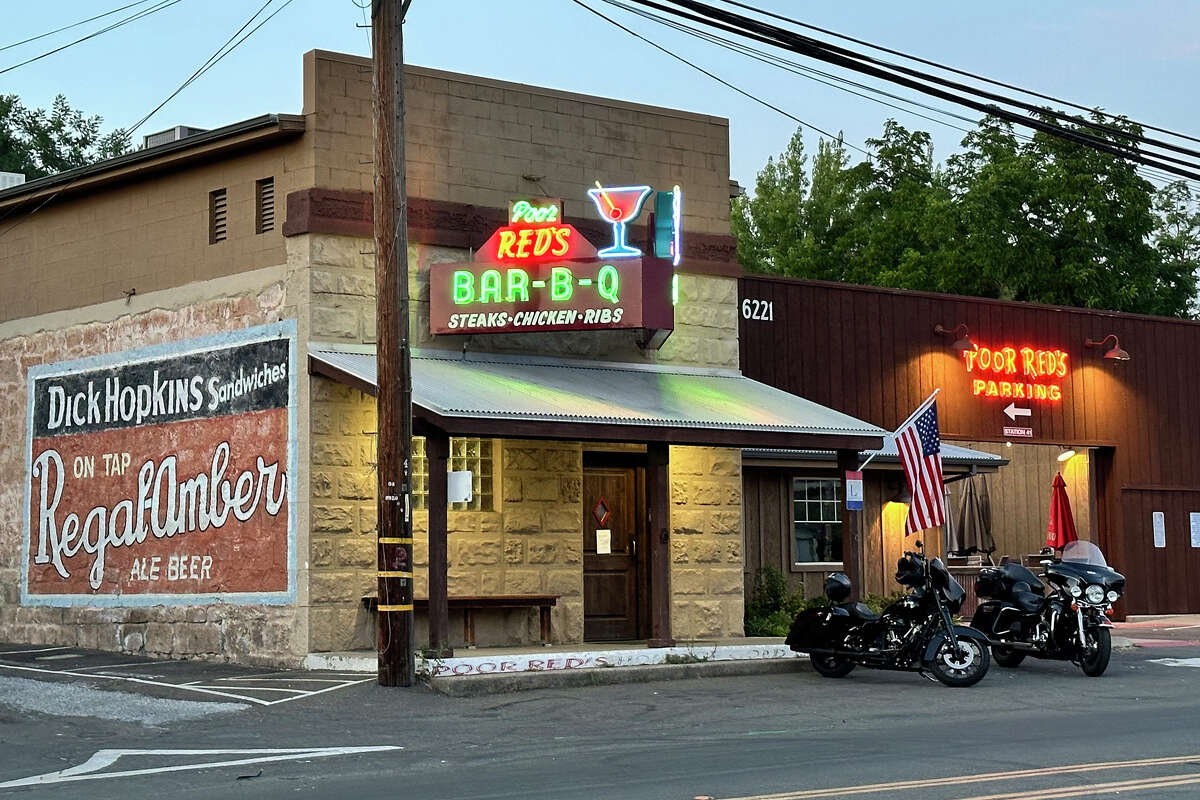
x,y
170,135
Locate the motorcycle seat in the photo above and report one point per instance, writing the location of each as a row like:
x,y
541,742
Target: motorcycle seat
x,y
1029,602
859,611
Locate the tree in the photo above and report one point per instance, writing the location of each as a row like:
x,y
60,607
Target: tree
x,y
1036,219
37,142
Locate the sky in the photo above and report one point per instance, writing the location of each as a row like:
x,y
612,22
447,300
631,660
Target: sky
x,y
1141,59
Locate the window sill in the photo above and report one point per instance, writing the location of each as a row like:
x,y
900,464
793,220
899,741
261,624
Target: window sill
x,y
818,566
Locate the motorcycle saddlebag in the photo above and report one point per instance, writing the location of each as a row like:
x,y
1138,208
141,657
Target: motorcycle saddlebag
x,y
995,619
816,628
989,584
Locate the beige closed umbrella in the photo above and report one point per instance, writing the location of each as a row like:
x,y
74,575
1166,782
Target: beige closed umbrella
x,y
974,529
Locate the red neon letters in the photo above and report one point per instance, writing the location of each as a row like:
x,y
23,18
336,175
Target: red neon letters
x,y
1020,373
522,244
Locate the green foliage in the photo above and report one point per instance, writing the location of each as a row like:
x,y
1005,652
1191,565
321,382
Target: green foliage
x,y
1036,219
773,605
37,142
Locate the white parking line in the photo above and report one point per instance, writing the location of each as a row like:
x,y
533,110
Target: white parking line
x,y
237,692
20,652
101,759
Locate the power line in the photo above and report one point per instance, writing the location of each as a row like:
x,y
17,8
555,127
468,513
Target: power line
x,y
72,25
160,6
833,80
211,62
954,70
803,45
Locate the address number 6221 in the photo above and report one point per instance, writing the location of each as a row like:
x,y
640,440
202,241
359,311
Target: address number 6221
x,y
759,309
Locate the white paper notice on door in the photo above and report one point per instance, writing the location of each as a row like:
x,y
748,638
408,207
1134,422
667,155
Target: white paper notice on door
x,y
1194,520
603,541
1159,521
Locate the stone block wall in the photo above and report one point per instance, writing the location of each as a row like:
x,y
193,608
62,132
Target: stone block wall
x,y
248,634
707,599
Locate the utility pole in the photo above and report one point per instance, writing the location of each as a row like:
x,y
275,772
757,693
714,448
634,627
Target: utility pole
x,y
394,394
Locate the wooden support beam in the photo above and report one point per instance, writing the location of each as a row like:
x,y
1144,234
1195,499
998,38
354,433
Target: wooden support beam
x,y
437,451
658,529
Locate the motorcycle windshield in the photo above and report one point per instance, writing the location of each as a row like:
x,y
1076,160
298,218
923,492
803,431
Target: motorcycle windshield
x,y
1084,553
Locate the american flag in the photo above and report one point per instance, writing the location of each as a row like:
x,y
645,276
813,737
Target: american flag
x,y
920,447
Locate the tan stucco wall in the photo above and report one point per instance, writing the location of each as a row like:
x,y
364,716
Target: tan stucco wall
x,y
261,634
706,542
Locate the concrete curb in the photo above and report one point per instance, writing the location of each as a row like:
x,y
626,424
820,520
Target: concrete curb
x,y
478,685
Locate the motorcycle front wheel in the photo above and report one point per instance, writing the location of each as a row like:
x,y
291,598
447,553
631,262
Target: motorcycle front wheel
x,y
961,668
1007,657
1095,661
831,666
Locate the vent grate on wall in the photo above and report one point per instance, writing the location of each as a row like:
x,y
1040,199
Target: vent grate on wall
x,y
218,230
264,205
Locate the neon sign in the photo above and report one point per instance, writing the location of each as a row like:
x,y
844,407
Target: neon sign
x,y
1024,373
537,272
668,225
620,206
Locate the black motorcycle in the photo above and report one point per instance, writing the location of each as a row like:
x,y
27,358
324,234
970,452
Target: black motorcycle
x,y
915,633
1069,624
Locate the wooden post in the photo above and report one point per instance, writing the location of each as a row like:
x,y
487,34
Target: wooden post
x,y
658,531
437,451
394,397
847,461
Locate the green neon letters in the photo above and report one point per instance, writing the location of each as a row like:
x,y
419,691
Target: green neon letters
x,y
464,287
524,211
560,284
489,286
608,283
518,286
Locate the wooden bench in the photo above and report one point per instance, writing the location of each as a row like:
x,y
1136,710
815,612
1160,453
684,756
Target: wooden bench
x,y
469,604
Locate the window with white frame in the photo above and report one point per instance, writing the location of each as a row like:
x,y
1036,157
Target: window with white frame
x,y
816,520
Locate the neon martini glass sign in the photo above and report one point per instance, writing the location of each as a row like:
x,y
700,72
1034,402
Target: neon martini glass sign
x,y
620,206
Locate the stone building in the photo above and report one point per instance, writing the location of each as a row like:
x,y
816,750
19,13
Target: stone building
x,y
188,330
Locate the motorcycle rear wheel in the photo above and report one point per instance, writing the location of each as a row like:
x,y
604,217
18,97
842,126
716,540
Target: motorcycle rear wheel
x,y
1007,657
963,668
831,666
1095,662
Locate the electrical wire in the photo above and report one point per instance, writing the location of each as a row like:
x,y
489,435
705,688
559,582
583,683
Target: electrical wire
x,y
832,80
802,45
160,6
211,62
954,70
72,25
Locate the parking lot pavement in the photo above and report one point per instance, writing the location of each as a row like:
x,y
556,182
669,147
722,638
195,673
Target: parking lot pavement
x,y
191,680
1180,630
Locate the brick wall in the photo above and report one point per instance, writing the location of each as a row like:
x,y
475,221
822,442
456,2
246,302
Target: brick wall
x,y
263,634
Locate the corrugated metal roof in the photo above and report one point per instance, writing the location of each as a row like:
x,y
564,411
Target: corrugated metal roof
x,y
951,454
592,392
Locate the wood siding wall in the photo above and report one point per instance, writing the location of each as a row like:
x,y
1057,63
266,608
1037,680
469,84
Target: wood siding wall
x,y
872,353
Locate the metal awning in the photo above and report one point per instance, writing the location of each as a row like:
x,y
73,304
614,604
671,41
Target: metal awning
x,y
513,396
952,455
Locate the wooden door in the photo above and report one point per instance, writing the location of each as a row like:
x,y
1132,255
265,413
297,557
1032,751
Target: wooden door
x,y
612,581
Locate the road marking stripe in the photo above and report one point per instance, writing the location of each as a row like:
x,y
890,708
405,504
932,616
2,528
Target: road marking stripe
x,y
42,650
139,680
1092,789
105,758
320,691
968,779
296,680
256,689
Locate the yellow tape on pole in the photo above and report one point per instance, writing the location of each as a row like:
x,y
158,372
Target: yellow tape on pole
x,y
395,540
385,573
395,608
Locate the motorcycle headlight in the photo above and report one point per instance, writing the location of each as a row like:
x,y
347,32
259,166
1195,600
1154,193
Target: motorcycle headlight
x,y
1113,596
1094,594
1075,590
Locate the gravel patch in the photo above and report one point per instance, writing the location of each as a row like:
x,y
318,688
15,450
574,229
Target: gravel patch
x,y
74,700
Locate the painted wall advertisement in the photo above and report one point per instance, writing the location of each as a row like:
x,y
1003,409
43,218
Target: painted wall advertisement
x,y
165,475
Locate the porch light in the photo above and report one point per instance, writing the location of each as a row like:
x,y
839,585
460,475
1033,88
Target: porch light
x,y
1114,353
962,337
1067,454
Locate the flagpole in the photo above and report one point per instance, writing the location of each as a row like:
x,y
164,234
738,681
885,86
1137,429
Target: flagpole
x,y
911,417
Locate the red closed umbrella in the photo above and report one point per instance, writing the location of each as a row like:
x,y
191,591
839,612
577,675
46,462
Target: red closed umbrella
x,y
1061,530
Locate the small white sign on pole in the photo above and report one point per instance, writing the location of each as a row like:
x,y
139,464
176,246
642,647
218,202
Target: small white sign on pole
x,y
458,487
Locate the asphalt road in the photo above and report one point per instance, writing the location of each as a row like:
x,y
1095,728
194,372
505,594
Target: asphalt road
x,y
797,735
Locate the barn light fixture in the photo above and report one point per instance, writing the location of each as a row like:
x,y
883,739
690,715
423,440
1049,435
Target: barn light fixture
x,y
1114,353
1067,454
962,337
